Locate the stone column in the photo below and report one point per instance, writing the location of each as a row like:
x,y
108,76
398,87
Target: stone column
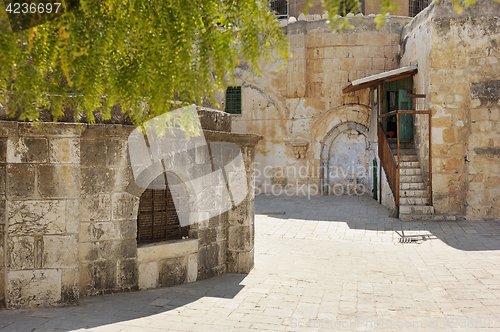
x,y
240,230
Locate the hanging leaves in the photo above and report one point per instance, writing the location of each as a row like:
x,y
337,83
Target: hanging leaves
x,y
147,56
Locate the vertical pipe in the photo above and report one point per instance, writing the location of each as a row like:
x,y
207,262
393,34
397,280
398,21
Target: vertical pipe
x,y
396,194
380,88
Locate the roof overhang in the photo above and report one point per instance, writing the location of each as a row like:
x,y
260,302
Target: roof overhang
x,y
374,80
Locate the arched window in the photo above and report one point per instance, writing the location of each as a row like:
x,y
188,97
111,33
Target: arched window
x,y
157,219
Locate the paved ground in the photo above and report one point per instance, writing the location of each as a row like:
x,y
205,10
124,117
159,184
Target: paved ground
x,y
334,263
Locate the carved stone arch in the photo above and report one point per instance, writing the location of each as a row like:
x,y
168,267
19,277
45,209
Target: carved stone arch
x,y
338,115
156,170
161,208
328,143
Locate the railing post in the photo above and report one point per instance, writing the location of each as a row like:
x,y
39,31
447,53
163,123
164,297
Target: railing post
x,y
430,158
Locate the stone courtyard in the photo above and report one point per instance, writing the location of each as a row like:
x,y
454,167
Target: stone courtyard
x,y
331,262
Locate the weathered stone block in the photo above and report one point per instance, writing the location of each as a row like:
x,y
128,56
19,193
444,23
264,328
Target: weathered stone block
x,y
27,150
116,250
88,251
36,217
33,288
84,233
97,277
124,206
450,135
72,215
20,180
97,180
156,251
102,231
232,261
21,253
3,150
2,287
57,181
3,203
3,176
208,259
245,261
192,268
95,207
70,292
93,153
117,153
172,271
239,238
128,228
207,236
148,275
64,150
127,275
60,251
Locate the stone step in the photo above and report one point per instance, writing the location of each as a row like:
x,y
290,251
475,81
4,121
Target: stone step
x,y
404,152
410,171
415,209
414,193
407,158
410,164
414,200
394,146
426,217
411,178
411,185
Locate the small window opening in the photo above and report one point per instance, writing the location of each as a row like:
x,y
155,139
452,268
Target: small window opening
x,y
157,219
233,100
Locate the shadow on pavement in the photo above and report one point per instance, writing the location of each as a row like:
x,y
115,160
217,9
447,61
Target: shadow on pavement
x,y
99,311
365,213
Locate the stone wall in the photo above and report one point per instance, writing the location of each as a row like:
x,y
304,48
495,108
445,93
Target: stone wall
x,y
69,207
295,108
41,178
459,70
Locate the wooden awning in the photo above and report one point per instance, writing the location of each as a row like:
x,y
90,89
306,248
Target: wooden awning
x,y
374,80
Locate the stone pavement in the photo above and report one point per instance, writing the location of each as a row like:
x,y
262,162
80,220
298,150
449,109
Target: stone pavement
x,y
333,263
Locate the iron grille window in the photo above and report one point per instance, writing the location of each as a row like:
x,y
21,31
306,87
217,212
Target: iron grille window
x,y
350,6
233,100
280,8
416,6
157,219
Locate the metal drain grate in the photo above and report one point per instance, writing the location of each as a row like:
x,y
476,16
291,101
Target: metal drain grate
x,y
409,239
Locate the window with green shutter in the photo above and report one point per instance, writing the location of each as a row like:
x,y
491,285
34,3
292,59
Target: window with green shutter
x,y
233,100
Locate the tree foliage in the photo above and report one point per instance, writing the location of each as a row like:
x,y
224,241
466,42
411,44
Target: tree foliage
x,y
147,56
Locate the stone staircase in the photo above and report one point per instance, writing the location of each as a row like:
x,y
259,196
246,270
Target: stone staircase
x,y
413,193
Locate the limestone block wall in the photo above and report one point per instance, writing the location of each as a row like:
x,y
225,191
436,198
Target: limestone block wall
x,y
108,212
297,107
40,189
458,58
68,225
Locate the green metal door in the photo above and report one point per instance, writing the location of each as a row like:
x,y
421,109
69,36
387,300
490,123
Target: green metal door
x,y
405,120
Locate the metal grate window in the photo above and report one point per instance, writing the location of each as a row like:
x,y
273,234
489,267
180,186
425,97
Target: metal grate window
x,y
157,219
280,8
416,6
233,100
351,7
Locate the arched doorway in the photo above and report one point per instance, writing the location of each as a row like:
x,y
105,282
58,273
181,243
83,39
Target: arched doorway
x,y
158,218
346,158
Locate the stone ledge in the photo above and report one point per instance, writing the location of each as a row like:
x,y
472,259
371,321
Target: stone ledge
x,y
158,251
